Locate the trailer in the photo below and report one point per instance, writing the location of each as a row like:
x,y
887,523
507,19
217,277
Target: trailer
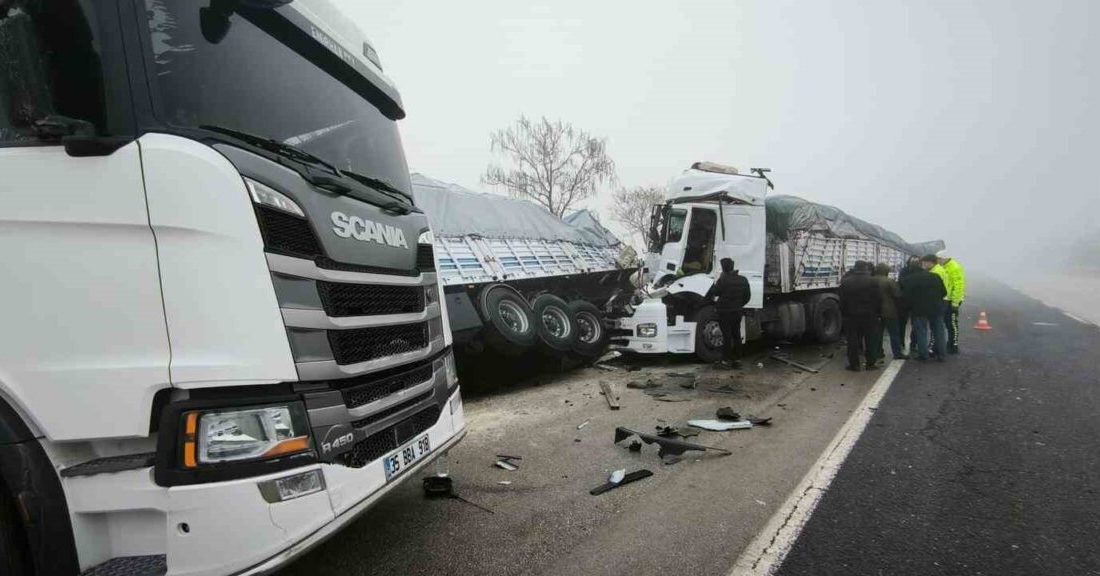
x,y
792,251
516,278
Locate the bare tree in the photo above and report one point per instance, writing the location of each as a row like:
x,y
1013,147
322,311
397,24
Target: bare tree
x,y
632,207
551,163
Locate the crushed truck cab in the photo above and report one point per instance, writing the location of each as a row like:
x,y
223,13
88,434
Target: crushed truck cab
x,y
225,333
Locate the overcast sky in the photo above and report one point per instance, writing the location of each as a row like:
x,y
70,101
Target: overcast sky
x,y
974,121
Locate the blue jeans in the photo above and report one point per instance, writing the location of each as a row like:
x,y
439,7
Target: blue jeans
x,y
921,327
892,326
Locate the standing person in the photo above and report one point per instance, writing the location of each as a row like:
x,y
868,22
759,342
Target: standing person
x,y
892,302
860,302
941,272
925,291
911,265
732,292
956,293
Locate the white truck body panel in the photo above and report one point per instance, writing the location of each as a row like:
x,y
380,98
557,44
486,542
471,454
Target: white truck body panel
x,y
223,317
84,354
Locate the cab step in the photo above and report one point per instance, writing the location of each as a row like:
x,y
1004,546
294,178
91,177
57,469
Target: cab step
x,y
155,565
110,464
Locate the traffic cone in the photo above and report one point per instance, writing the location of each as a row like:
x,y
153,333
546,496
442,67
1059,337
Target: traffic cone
x,y
983,322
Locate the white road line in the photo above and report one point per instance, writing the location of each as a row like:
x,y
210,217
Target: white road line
x,y
1072,317
766,552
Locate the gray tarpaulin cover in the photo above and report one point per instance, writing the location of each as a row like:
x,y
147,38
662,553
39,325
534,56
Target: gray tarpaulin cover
x,y
786,214
457,211
588,225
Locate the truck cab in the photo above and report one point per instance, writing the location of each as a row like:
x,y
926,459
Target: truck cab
x,y
224,334
712,212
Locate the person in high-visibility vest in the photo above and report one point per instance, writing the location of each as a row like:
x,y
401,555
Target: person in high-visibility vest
x,y
956,292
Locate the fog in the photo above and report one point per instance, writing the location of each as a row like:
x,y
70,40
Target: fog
x,y
974,122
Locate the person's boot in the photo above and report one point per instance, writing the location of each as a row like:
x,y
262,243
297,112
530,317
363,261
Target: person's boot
x,y
853,368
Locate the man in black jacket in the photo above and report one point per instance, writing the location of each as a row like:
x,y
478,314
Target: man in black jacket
x,y
860,305
925,292
732,292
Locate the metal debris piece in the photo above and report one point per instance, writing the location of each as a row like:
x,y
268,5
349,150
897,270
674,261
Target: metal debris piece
x,y
670,459
720,425
582,424
648,384
507,457
627,479
758,421
505,482
606,367
635,446
790,362
443,487
726,389
666,445
610,395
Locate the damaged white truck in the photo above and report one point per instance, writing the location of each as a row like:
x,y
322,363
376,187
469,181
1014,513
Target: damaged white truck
x,y
223,334
793,253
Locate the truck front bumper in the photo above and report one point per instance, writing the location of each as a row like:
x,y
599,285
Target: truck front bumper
x,y
625,334
225,528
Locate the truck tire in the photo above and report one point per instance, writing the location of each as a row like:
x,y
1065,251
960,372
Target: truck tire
x,y
13,542
825,323
591,333
555,323
509,321
710,346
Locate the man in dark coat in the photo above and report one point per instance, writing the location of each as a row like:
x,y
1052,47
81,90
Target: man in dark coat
x,y
732,292
860,305
911,265
892,303
925,292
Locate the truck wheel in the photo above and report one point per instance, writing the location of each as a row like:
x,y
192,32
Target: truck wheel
x,y
710,346
509,321
591,334
826,323
13,544
555,322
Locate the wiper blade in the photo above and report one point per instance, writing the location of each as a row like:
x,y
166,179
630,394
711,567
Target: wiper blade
x,y
362,192
380,185
272,145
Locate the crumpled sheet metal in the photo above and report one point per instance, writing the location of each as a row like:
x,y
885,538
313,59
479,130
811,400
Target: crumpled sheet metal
x,y
666,446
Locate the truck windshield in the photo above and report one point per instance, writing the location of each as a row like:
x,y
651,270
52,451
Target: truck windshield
x,y
676,220
242,78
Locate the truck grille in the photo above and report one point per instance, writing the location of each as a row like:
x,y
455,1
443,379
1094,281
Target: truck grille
x,y
370,300
383,414
286,233
425,257
378,444
363,344
366,389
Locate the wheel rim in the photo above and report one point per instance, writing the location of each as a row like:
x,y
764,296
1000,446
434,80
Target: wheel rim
x,y
589,329
712,334
513,316
831,322
556,322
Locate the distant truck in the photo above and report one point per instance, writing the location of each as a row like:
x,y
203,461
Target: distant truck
x,y
516,278
793,253
223,333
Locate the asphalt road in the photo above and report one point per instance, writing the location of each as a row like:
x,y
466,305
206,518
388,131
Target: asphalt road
x,y
987,464
693,517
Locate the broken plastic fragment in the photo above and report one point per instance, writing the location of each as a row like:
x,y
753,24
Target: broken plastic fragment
x,y
720,425
507,465
617,476
727,413
627,479
666,445
582,424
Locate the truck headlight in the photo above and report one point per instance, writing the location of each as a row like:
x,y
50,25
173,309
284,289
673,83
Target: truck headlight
x,y
447,365
240,434
267,196
648,330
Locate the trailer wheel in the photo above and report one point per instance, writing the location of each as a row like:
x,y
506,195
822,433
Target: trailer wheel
x,y
509,321
13,544
710,346
826,322
555,323
591,333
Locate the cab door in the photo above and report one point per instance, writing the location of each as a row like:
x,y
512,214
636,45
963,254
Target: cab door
x,y
745,241
84,347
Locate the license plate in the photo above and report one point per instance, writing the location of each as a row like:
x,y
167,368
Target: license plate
x,y
405,456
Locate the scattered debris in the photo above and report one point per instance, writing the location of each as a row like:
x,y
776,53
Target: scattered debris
x,y
443,487
635,446
648,384
672,398
606,367
726,389
679,374
757,421
617,476
727,413
609,356
666,431
790,362
812,389
670,459
720,425
1043,324
759,364
507,457
576,439
666,445
507,465
760,502
688,384
610,394
633,368
687,432
627,479
505,482
582,424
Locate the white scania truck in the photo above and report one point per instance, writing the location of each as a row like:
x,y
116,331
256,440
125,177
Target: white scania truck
x,y
793,253
221,331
